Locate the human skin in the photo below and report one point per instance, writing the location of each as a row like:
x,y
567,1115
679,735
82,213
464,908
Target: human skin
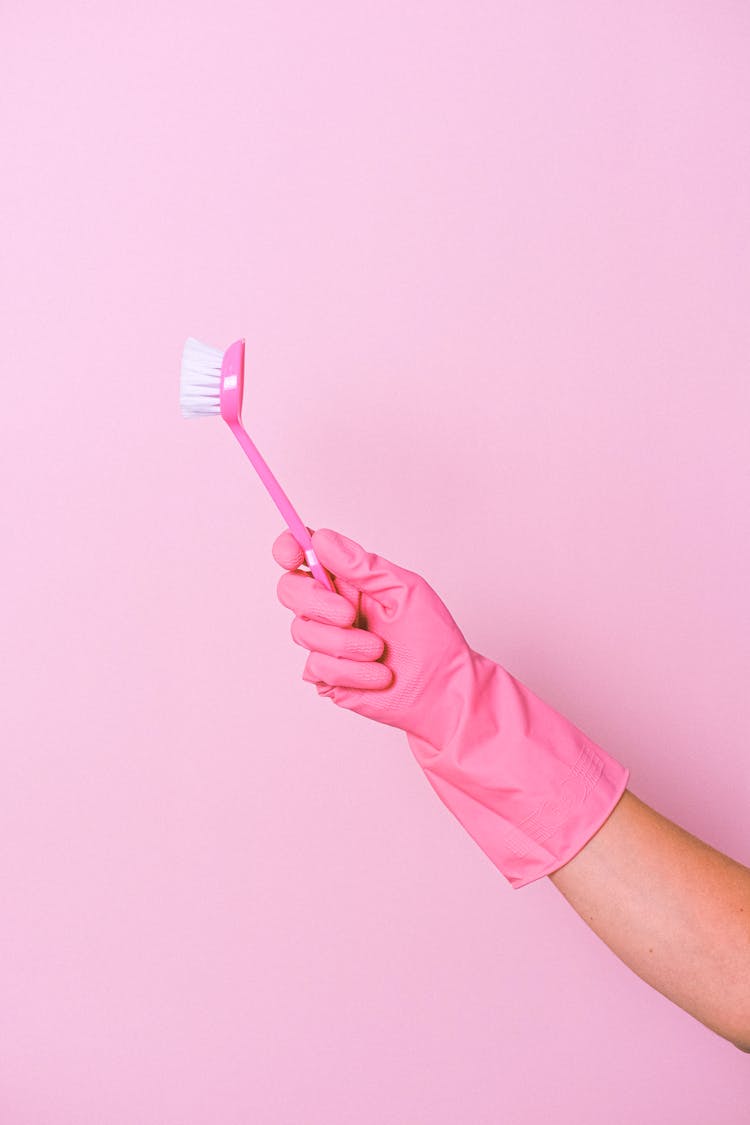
x,y
675,910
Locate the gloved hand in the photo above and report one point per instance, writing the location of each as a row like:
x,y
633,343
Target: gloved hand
x,y
526,784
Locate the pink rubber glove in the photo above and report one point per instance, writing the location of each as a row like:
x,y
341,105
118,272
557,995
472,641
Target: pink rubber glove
x,y
526,784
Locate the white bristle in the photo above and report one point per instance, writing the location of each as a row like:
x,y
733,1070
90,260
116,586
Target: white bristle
x,y
200,379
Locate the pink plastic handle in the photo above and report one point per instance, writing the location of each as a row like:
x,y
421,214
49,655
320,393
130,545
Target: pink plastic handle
x,y
282,502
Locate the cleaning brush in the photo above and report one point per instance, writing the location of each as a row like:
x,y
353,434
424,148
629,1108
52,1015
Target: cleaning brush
x,y
211,382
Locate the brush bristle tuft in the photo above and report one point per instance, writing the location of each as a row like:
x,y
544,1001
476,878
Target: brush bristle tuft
x,y
200,379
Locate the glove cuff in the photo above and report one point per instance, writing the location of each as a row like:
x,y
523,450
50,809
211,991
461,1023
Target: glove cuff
x,y
526,784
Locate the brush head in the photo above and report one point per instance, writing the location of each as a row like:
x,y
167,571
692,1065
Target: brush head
x,y
212,381
200,379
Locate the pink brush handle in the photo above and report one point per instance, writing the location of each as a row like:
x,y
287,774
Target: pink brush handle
x,y
280,499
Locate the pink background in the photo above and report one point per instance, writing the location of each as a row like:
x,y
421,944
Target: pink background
x,y
491,263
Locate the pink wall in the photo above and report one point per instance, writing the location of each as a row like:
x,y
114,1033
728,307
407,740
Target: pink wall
x,y
491,262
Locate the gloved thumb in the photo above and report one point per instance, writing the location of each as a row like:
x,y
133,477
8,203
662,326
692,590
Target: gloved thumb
x,y
365,571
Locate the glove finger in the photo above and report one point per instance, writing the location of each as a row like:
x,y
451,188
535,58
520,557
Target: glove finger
x,y
287,551
338,672
379,579
309,598
352,595
349,644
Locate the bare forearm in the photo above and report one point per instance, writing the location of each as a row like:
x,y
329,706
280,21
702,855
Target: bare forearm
x,y
674,909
